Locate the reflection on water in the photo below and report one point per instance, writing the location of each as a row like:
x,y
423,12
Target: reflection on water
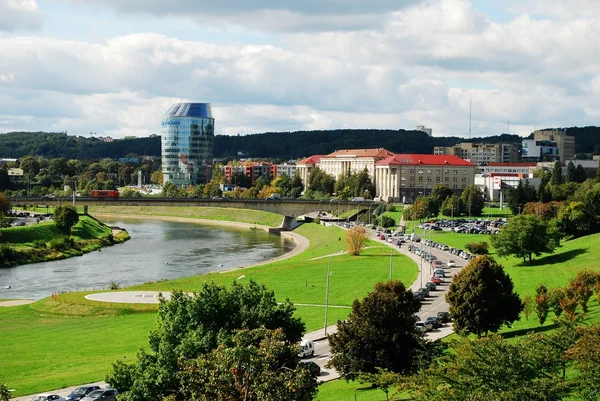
x,y
157,250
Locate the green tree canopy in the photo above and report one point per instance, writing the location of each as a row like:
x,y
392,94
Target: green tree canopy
x,y
526,235
490,368
380,333
472,200
557,174
65,217
188,327
481,298
320,181
256,365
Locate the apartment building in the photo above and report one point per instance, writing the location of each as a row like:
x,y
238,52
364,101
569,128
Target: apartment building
x,y
564,142
482,153
403,177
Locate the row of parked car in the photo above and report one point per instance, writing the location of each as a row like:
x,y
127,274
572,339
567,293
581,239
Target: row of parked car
x,y
453,251
433,322
82,393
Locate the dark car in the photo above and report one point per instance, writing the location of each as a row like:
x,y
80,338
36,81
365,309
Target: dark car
x,y
430,286
81,392
444,317
314,369
419,295
104,394
434,322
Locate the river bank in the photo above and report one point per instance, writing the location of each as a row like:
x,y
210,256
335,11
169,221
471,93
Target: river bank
x,y
46,242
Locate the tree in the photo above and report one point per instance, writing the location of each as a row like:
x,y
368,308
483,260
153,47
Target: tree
x,y
65,217
482,299
320,181
257,365
557,175
580,174
170,190
356,238
571,175
542,303
472,200
522,194
526,235
489,368
527,306
585,355
190,326
380,333
478,248
30,167
451,206
5,204
440,193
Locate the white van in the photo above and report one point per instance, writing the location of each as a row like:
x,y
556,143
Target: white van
x,y
307,348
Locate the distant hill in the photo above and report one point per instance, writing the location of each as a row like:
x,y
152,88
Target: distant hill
x,y
285,145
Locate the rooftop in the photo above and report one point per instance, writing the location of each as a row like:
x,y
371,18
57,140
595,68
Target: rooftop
x,y
379,153
425,159
201,110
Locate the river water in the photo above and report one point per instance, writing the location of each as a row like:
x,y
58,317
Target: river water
x,y
157,250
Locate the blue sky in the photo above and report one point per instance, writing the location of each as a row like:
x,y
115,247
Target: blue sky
x,y
113,67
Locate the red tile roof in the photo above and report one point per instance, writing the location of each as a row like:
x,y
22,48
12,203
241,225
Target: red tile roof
x,y
314,159
378,153
512,164
425,160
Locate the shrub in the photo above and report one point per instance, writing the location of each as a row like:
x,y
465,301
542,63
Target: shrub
x,y
62,244
7,253
39,244
115,285
390,208
478,248
387,222
356,238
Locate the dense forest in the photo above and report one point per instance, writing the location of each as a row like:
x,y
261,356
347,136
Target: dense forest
x,y
284,145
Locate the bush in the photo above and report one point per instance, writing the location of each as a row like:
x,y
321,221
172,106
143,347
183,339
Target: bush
x,y
390,208
39,244
62,244
478,248
7,253
115,285
387,222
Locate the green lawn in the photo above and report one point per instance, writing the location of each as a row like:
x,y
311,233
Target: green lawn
x,y
340,390
76,335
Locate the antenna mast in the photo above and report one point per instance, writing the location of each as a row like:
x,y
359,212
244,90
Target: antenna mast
x,y
470,109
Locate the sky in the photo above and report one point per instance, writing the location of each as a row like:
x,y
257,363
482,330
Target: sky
x,y
113,67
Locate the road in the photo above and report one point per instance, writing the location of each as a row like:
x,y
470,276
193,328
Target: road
x,y
432,305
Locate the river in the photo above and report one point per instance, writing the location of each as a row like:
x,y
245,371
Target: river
x,y
157,250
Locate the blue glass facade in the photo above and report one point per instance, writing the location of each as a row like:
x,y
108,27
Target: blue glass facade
x,y
188,131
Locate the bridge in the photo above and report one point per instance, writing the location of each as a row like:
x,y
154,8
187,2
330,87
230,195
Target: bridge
x,y
290,208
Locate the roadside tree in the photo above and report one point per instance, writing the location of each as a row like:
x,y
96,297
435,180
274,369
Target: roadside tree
x,y
356,238
257,365
65,217
188,327
472,200
440,193
482,299
489,368
451,206
380,333
4,393
526,235
5,204
580,174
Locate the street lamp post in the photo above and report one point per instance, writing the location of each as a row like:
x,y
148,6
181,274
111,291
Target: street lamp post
x,y
327,293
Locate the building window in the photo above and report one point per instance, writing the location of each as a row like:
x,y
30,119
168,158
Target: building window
x,y
455,172
455,186
420,171
446,179
446,171
464,186
420,179
429,179
438,179
438,171
412,170
455,179
412,185
403,185
464,179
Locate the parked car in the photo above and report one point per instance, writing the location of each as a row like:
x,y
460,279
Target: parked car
x,y
436,280
81,392
47,397
425,291
430,286
444,317
314,369
440,273
419,296
426,325
433,320
451,263
104,394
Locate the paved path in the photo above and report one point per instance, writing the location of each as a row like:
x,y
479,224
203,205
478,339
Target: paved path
x,y
16,302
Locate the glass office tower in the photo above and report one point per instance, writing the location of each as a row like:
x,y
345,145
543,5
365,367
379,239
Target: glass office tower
x,y
188,131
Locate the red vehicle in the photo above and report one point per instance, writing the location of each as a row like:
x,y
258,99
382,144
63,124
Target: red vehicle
x,y
105,193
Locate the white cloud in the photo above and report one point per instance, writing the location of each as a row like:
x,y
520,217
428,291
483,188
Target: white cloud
x,y
19,14
420,66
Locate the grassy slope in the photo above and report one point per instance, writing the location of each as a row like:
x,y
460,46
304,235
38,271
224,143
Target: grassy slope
x,y
208,213
78,343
